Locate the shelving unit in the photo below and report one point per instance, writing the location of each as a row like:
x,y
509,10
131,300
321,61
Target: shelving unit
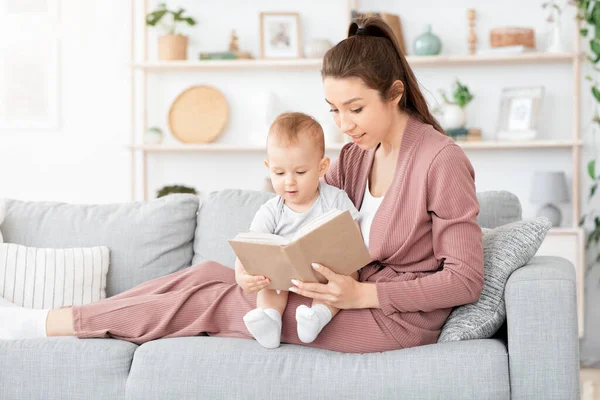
x,y
557,237
150,67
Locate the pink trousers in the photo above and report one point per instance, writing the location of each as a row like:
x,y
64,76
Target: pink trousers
x,y
205,299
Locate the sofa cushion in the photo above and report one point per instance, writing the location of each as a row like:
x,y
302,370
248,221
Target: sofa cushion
x,y
52,278
227,368
505,249
221,216
64,367
147,239
498,208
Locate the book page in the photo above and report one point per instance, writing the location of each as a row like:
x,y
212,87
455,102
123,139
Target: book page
x,y
315,223
259,237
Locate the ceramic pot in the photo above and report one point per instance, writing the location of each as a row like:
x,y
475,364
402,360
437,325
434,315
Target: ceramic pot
x,y
453,116
427,44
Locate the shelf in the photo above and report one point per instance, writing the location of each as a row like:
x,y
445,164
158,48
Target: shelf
x,y
315,63
530,144
564,231
226,147
536,57
306,63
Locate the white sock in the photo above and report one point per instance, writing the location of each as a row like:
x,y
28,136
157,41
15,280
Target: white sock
x,y
21,323
311,321
265,326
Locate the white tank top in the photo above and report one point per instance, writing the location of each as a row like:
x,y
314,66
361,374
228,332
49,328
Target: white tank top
x,y
368,208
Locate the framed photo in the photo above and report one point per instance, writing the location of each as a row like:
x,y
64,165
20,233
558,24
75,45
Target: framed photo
x,y
29,65
280,35
519,113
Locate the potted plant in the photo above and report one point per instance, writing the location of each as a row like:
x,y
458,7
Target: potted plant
x,y
175,189
588,13
453,111
172,45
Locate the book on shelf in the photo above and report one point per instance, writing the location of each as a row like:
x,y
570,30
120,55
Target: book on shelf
x,y
333,240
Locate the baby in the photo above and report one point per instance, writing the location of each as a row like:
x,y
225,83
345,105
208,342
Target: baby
x,y
296,160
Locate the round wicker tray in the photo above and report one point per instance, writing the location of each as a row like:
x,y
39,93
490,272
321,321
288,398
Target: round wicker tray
x,y
198,115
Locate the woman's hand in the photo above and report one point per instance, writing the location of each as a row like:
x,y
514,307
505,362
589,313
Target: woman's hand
x,y
341,291
249,283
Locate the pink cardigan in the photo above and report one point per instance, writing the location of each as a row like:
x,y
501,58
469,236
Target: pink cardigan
x,y
425,235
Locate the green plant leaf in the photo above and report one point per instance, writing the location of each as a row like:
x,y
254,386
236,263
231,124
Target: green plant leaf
x,y
596,93
154,17
591,168
598,258
595,45
582,220
191,21
593,190
584,32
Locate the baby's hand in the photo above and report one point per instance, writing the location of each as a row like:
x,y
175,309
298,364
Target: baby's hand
x,y
249,283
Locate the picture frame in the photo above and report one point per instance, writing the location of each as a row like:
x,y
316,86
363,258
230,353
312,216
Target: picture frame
x,y
280,35
519,113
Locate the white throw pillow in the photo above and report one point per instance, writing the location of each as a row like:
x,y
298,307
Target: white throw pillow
x,y
2,213
52,278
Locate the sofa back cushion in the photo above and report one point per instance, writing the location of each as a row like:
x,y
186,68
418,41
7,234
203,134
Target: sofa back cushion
x,y
224,214
146,239
221,216
497,208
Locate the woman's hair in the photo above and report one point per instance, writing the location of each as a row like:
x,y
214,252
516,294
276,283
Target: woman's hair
x,y
371,53
289,126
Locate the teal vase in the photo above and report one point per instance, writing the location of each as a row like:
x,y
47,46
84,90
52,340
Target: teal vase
x,y
427,44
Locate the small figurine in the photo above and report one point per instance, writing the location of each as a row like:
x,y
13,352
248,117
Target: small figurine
x,y
234,42
472,36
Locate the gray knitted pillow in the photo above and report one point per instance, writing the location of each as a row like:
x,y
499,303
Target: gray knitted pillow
x,y
505,249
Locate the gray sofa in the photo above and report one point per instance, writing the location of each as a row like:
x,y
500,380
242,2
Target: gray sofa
x,y
533,356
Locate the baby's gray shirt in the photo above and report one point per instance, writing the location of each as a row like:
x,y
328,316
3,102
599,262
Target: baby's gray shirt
x,y
277,218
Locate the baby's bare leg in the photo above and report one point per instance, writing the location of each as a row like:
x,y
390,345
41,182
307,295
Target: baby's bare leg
x,y
268,298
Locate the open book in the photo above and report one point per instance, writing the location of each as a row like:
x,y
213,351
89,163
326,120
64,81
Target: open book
x,y
332,240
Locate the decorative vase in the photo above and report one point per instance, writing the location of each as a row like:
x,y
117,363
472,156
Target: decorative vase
x,y
317,48
427,44
555,42
453,116
172,47
153,135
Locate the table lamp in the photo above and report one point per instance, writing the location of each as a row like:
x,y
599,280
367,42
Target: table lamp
x,y
549,188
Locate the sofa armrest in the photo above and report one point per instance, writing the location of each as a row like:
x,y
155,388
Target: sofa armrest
x,y
543,339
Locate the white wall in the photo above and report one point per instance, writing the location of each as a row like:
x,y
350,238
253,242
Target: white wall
x,y
84,161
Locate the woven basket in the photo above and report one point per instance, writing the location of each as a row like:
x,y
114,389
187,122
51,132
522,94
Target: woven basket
x,y
512,36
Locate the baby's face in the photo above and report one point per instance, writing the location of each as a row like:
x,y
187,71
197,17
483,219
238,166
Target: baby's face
x,y
295,170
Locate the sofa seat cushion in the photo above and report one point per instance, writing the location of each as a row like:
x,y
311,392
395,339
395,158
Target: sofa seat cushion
x,y
64,367
226,368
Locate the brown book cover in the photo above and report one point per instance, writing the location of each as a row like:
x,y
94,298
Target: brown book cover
x,y
333,240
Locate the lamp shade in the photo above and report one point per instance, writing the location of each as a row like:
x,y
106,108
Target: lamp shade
x,y
549,187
